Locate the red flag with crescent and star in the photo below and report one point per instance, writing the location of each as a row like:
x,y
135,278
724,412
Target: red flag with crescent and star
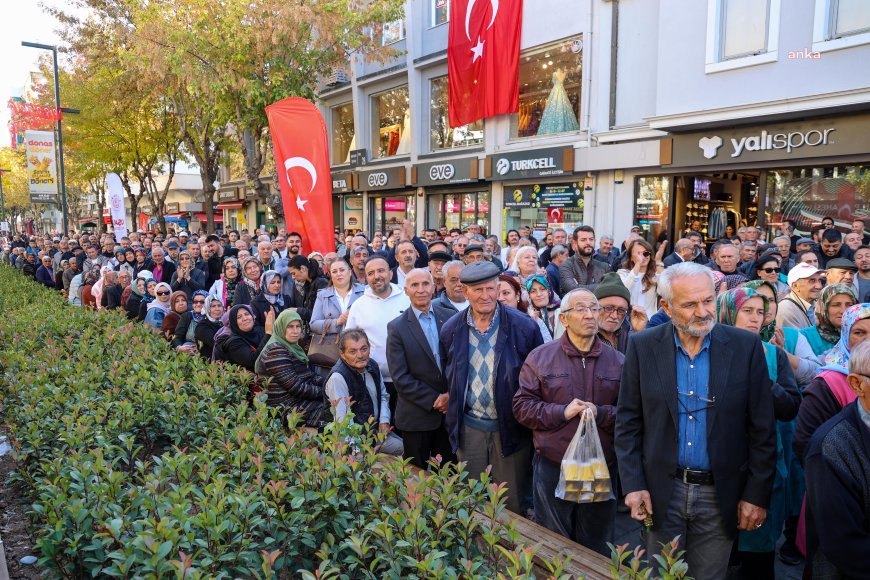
x,y
302,158
483,59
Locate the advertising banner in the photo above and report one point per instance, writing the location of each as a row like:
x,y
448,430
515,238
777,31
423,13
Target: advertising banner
x,y
41,166
116,206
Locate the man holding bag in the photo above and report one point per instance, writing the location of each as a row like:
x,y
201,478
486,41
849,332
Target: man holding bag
x,y
558,382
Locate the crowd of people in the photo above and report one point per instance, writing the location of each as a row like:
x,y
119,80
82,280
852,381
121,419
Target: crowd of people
x,y
730,385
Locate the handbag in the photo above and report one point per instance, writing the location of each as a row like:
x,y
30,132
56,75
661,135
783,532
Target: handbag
x,y
323,350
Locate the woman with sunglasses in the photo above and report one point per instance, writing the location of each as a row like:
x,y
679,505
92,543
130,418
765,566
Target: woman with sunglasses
x,y
207,327
767,267
833,301
184,337
249,286
157,309
147,298
186,277
225,286
746,309
639,273
543,305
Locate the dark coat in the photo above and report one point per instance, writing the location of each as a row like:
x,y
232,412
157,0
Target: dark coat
x,y
308,296
168,270
132,308
555,374
672,259
416,376
741,429
573,273
293,386
235,349
196,282
111,298
204,335
518,335
45,276
180,335
838,496
261,308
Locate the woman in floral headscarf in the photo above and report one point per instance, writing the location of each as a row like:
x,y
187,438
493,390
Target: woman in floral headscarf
x,y
832,303
746,309
249,286
225,286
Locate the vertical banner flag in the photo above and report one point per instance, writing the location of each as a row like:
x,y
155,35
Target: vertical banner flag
x,y
302,156
116,206
41,166
483,59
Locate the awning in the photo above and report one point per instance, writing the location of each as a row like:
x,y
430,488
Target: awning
x,y
170,219
231,205
174,215
89,220
218,218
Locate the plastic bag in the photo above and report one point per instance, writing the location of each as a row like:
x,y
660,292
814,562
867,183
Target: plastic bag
x,y
584,477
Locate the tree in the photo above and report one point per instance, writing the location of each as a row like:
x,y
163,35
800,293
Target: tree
x,y
16,192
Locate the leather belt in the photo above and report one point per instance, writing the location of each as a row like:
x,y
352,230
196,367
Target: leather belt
x,y
694,477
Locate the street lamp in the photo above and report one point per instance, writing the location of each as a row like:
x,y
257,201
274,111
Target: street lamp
x,y
53,50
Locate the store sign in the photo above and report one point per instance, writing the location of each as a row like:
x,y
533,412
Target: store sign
x,y
226,195
445,172
342,182
525,164
386,178
174,207
359,158
562,195
798,140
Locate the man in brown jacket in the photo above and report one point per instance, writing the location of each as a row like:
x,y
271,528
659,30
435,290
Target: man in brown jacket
x,y
559,381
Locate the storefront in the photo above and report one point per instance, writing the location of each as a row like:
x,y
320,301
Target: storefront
x,y
759,175
390,202
455,197
540,190
231,206
347,207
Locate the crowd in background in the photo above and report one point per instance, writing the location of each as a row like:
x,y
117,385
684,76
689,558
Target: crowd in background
x,y
729,381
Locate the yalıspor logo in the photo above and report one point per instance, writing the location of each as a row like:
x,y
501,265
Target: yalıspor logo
x,y
710,145
502,166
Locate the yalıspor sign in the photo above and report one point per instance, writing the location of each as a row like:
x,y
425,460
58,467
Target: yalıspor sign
x,y
765,141
833,136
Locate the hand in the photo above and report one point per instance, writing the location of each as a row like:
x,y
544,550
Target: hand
x,y
636,499
778,338
341,320
440,403
638,318
750,517
270,320
576,407
407,230
384,428
661,251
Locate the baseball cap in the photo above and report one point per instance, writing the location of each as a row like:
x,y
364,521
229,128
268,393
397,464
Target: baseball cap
x,y
801,272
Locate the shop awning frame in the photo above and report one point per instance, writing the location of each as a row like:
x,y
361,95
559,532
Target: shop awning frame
x,y
231,205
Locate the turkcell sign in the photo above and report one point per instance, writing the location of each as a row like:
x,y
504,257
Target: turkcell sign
x,y
536,163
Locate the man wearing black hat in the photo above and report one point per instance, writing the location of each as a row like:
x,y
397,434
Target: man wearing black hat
x,y
437,260
841,271
483,350
473,253
614,323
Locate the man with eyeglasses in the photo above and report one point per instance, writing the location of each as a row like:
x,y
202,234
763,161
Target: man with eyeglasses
x,y
614,324
558,383
695,429
806,282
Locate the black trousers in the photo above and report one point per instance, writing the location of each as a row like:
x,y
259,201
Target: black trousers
x,y
421,445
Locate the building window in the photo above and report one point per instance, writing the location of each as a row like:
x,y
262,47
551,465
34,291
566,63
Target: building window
x,y
343,135
458,210
550,81
652,205
392,31
441,135
849,17
440,11
392,123
744,27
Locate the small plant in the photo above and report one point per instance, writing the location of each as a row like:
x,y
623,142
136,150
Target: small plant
x,y
628,564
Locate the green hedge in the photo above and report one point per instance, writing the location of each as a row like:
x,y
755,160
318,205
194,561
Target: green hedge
x,y
145,463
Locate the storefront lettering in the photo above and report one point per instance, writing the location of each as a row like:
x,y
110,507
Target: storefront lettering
x,y
377,179
441,172
503,165
767,141
339,183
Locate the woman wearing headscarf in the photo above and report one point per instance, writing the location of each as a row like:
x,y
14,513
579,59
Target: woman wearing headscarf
x,y
208,326
271,297
184,339
225,286
746,309
309,280
639,274
833,301
157,309
147,298
187,278
134,298
768,267
178,307
249,286
244,341
543,305
292,383
128,262
830,392
141,260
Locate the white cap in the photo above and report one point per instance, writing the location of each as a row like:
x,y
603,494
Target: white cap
x,y
801,272
183,233
145,274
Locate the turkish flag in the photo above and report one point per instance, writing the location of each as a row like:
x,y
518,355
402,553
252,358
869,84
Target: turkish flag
x,y
302,158
483,59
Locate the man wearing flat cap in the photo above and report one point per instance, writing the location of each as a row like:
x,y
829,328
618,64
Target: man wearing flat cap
x,y
437,260
483,350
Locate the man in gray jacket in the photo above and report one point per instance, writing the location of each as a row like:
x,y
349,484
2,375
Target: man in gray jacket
x,y
581,271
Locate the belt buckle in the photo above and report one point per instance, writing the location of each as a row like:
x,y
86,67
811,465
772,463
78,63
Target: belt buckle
x,y
685,477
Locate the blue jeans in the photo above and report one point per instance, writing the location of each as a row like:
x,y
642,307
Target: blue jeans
x,y
588,524
693,514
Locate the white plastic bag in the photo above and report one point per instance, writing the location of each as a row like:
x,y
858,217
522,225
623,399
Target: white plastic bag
x,y
584,477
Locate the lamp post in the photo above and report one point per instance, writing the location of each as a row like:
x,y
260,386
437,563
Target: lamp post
x,y
53,50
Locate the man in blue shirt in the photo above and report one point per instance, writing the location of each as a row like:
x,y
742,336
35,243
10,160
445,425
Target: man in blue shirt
x,y
695,429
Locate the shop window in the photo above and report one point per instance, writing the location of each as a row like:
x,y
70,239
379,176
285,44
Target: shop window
x,y
392,31
808,194
441,135
458,210
744,27
392,122
652,206
440,11
343,135
849,17
550,83
388,213
542,206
